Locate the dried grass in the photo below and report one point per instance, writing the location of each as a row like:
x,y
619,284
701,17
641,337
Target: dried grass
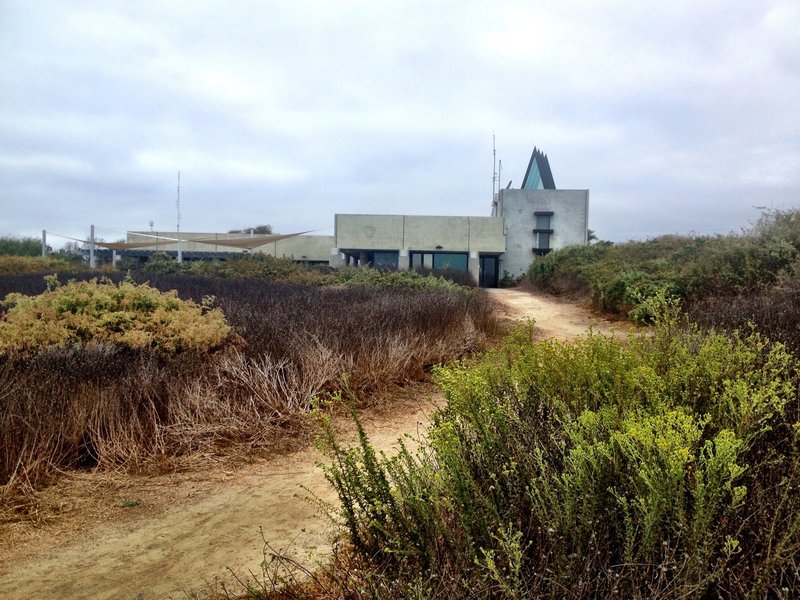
x,y
105,407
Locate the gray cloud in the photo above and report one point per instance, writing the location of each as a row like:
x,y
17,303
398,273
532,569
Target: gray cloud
x,y
678,116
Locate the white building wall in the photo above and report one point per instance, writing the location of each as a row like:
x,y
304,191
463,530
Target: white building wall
x,y
374,232
301,247
416,232
569,222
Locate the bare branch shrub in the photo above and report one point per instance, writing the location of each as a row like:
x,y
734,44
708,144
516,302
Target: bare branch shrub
x,y
104,405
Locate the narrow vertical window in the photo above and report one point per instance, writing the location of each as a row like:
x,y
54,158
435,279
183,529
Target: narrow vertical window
x,y
542,232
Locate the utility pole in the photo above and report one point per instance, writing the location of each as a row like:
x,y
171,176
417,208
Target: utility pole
x,y
44,243
178,206
92,263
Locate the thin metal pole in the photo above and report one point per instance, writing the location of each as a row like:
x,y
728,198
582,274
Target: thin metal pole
x,y
178,205
92,263
494,167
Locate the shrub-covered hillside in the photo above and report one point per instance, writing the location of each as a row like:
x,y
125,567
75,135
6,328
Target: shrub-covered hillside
x,y
725,282
664,468
619,276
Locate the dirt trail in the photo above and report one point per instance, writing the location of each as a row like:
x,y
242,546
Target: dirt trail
x,y
554,318
191,528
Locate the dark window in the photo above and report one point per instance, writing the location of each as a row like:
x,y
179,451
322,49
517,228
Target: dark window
x,y
543,220
422,260
542,240
450,260
457,261
542,232
385,259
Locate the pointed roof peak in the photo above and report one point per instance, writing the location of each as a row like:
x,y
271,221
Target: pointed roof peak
x,y
538,176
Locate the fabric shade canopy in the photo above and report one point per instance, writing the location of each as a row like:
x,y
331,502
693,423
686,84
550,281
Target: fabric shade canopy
x,y
135,245
247,243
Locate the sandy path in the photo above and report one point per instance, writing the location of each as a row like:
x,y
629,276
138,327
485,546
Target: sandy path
x,y
190,529
554,318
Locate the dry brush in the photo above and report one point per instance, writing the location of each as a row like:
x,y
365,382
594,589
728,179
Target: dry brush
x,y
87,405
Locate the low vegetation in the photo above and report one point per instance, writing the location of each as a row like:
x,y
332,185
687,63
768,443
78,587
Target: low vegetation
x,y
619,277
37,265
772,310
243,266
664,468
102,374
20,246
100,313
286,270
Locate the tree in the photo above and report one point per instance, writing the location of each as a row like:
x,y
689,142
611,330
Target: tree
x,y
72,247
23,246
259,229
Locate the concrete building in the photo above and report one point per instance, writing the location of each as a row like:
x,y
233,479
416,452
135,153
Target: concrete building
x,y
538,221
540,218
525,223
404,242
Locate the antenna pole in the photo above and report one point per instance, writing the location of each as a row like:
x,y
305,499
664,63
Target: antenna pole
x,y
92,262
494,168
178,206
499,174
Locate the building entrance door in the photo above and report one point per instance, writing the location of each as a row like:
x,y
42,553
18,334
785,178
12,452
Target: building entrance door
x,y
488,271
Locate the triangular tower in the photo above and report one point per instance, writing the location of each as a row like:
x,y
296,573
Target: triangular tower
x,y
538,176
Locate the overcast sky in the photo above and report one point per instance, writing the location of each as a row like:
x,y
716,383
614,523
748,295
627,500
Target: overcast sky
x,y
679,116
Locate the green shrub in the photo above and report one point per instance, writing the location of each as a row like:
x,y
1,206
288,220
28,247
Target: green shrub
x,y
100,312
618,277
24,246
22,265
161,263
667,467
368,276
270,268
251,265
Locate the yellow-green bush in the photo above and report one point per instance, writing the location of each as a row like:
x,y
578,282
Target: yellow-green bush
x,y
667,468
100,312
21,265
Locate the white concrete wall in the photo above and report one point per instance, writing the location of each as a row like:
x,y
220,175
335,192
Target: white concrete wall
x,y
412,232
370,232
301,247
570,222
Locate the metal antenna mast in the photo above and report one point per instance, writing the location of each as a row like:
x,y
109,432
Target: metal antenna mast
x,y
494,168
178,202
178,207
499,174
